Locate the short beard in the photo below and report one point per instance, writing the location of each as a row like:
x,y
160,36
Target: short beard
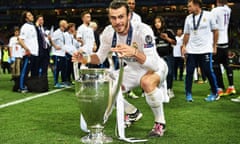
x,y
125,28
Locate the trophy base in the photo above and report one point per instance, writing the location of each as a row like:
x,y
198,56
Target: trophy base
x,y
96,136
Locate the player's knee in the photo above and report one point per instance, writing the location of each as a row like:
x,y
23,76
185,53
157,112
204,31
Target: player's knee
x,y
147,84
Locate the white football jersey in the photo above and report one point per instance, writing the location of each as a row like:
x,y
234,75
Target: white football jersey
x,y
142,39
87,35
28,33
69,46
135,18
177,47
222,15
200,40
16,48
59,39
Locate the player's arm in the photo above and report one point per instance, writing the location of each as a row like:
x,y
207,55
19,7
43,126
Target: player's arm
x,y
80,41
53,43
186,36
215,40
81,58
79,36
185,42
10,47
23,45
169,37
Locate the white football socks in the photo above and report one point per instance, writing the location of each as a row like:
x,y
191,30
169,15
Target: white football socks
x,y
155,101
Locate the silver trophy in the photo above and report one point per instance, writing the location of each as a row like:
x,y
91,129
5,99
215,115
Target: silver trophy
x,y
93,92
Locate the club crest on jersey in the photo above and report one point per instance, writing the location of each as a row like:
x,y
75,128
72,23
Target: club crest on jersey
x,y
134,44
149,41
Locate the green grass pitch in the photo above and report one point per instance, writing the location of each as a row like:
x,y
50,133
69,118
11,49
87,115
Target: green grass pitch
x,y
54,119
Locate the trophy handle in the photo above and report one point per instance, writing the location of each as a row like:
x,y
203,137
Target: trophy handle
x,y
113,95
76,71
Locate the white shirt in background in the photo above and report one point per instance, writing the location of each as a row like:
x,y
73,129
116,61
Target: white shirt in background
x,y
87,35
177,47
201,40
69,46
135,18
222,15
16,49
59,39
28,33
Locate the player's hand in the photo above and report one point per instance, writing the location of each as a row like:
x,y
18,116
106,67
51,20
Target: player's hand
x,y
124,50
77,57
58,48
80,57
49,37
27,52
183,50
164,36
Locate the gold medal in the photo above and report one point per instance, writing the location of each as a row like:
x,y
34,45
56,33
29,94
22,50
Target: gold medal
x,y
195,32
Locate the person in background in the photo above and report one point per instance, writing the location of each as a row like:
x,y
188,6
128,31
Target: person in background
x,y
70,47
94,26
134,16
222,15
28,39
178,59
6,60
199,44
165,38
44,46
16,53
85,36
58,53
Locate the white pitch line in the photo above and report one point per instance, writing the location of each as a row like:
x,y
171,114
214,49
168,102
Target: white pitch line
x,y
29,98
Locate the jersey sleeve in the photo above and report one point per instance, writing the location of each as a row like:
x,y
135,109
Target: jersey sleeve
x,y
57,38
149,48
186,26
213,21
105,44
23,32
10,44
79,32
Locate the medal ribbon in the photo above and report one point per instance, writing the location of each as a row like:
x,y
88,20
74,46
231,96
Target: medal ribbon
x,y
195,27
129,37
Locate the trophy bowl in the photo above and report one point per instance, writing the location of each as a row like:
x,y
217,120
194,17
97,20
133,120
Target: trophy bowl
x,y
92,90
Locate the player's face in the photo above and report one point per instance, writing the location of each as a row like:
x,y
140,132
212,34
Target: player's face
x,y
40,21
179,32
73,29
157,23
29,17
131,4
87,18
16,33
191,7
119,20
